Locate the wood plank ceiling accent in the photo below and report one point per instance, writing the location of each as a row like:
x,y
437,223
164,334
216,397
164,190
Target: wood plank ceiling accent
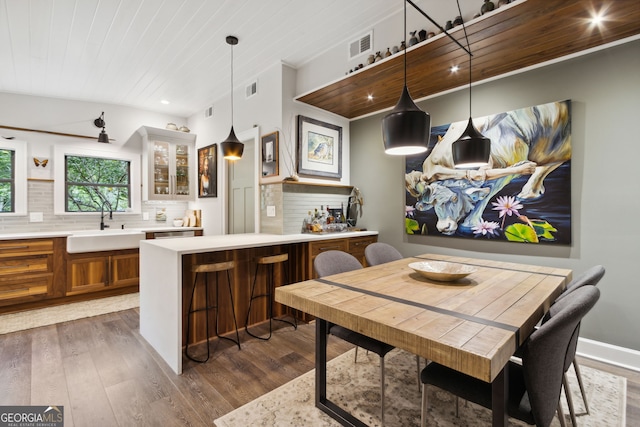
x,y
509,39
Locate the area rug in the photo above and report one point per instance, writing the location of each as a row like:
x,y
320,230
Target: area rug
x,y
62,313
355,387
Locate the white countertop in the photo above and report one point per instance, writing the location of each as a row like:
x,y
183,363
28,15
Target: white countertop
x,y
57,233
190,245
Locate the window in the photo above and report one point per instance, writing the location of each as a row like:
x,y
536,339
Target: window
x,y
13,178
7,180
94,183
86,180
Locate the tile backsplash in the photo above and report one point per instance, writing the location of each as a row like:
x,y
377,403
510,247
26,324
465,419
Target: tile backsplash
x,y
41,200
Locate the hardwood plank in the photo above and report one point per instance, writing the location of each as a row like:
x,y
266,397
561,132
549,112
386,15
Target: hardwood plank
x,y
15,369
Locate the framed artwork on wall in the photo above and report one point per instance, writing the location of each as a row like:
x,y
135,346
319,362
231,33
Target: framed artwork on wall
x,y
269,155
208,171
319,148
524,195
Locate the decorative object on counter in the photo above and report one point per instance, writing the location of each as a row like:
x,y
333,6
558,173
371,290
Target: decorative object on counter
x,y
319,148
413,39
422,35
457,21
431,34
378,57
448,25
403,46
100,123
387,53
405,130
487,6
177,222
471,149
503,2
184,129
395,49
232,148
198,214
371,59
161,214
354,207
269,154
208,171
171,126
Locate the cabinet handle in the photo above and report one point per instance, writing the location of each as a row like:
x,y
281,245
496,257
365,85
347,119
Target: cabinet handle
x,y
6,267
326,248
13,248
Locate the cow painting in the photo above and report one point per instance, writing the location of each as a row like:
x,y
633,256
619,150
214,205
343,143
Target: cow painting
x,y
508,198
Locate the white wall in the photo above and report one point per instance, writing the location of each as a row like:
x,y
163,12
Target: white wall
x,y
604,88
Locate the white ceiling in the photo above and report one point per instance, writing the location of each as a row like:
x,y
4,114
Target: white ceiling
x,y
138,52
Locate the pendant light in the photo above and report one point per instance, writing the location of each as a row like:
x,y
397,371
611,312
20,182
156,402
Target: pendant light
x,y
232,148
100,123
472,149
406,129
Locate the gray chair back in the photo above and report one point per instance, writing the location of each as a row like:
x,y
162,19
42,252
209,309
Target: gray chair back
x,y
380,253
545,351
334,262
589,277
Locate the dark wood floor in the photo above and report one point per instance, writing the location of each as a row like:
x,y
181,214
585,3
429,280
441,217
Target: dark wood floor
x,y
105,374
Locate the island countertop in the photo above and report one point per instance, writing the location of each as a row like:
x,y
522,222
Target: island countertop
x,y
191,245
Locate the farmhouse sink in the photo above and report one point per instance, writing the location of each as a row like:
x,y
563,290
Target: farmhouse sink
x,y
103,240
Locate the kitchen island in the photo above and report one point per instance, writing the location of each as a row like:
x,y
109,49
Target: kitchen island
x,y
166,279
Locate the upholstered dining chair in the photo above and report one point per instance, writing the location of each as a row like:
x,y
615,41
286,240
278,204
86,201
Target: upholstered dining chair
x,y
334,262
381,253
589,277
534,385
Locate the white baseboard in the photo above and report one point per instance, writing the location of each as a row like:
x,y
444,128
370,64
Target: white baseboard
x,y
607,353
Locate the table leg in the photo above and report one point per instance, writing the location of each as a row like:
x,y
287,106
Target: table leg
x,y
322,403
499,398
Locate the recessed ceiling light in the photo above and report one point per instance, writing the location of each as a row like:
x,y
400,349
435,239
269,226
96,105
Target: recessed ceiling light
x,y
597,19
455,69
165,102
370,97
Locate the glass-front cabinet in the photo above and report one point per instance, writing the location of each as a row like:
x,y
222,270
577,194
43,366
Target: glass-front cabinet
x,y
169,158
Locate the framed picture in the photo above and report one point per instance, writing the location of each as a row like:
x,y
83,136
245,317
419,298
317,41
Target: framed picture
x,y
208,171
319,148
269,154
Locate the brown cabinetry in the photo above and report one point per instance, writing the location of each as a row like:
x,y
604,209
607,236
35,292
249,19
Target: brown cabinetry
x,y
98,271
27,270
353,245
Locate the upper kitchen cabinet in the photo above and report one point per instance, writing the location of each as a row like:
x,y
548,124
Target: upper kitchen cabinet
x,y
168,164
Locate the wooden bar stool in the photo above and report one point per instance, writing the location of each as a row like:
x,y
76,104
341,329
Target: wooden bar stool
x,y
206,269
268,262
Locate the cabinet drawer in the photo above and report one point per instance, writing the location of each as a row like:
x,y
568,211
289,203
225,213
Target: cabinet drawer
x,y
32,264
25,288
316,248
357,244
13,248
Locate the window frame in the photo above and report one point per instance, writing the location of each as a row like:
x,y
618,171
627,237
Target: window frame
x,y
20,186
60,187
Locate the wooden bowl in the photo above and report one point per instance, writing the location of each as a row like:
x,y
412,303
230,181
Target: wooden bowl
x,y
442,271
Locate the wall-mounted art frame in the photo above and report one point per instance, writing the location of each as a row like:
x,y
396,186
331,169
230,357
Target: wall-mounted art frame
x,y
319,148
269,154
208,171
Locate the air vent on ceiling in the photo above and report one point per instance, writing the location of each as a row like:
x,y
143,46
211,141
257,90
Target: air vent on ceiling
x,y
208,112
362,45
251,89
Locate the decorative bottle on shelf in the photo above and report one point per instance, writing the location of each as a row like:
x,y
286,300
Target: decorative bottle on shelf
x,y
378,57
413,39
448,25
487,6
387,53
422,35
457,21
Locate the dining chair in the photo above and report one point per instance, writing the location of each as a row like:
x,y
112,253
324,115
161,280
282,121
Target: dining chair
x,y
334,262
535,385
381,253
589,277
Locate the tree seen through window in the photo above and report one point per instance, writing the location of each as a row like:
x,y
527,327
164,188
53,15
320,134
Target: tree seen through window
x,y
7,180
93,182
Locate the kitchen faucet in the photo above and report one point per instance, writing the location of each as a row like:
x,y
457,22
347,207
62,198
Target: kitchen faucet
x,y
102,224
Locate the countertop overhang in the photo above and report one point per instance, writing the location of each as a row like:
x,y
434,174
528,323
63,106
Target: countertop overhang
x,y
190,245
66,233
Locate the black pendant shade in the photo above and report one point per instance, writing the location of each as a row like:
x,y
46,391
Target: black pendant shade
x,y
232,148
472,149
103,137
405,130
100,123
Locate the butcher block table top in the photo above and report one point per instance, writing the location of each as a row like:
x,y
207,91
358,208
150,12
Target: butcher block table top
x,y
472,325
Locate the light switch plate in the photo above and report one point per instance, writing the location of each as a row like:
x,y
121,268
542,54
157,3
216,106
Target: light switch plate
x,y
271,211
36,217
145,216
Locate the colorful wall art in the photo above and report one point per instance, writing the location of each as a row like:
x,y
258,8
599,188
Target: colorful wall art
x,y
524,195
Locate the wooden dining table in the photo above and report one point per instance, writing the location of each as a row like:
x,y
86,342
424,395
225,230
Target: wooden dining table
x,y
472,325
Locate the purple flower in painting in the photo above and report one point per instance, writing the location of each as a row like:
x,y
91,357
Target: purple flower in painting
x,y
486,227
507,205
409,211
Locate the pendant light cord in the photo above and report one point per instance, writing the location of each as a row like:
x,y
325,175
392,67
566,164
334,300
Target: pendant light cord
x,y
464,28
232,85
405,43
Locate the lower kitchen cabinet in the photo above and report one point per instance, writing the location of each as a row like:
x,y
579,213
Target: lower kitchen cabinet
x,y
353,245
97,271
